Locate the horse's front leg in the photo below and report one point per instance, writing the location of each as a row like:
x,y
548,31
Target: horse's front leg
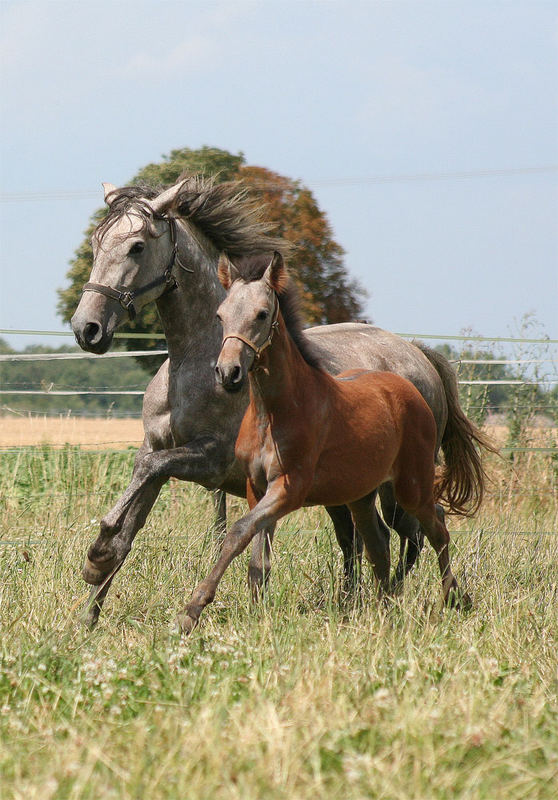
x,y
106,556
276,502
202,461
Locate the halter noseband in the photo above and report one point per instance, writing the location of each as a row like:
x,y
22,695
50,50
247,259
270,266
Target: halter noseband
x,y
127,298
258,349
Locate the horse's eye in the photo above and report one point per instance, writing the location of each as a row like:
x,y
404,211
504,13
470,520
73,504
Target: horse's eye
x,y
262,315
136,249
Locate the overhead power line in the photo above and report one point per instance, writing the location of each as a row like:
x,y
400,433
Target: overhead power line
x,y
350,180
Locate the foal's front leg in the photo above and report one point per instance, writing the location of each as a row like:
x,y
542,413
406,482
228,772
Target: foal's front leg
x,y
260,560
276,502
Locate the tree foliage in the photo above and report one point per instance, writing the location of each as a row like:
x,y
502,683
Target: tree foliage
x,y
329,294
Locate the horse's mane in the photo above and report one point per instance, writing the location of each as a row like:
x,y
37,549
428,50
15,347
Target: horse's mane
x,y
233,220
228,214
124,200
252,269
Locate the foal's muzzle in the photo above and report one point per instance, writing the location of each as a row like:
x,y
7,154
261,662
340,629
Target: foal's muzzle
x,y
230,377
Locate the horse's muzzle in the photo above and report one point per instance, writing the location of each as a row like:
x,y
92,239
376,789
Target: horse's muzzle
x,y
91,336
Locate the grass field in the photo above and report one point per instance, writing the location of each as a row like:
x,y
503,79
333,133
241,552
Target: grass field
x,y
297,698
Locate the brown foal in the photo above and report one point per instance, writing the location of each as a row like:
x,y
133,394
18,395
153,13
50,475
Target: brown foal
x,y
308,438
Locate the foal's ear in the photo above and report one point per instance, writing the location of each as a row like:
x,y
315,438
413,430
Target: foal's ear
x,y
276,274
108,189
226,271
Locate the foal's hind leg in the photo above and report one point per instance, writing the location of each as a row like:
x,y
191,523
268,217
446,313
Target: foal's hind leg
x,y
376,543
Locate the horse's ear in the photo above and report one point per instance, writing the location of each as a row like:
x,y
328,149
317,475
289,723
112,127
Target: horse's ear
x,y
108,188
226,271
276,274
164,201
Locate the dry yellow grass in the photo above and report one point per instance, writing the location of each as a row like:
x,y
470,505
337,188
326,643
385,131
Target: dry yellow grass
x,y
29,431
110,433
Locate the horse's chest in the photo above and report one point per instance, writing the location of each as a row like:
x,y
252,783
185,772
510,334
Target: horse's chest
x,y
258,458
196,406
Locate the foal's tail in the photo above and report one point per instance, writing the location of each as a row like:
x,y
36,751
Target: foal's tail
x,y
461,481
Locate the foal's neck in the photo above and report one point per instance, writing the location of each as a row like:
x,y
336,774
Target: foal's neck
x,y
277,381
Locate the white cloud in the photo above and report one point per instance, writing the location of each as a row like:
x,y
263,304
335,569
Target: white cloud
x,y
198,53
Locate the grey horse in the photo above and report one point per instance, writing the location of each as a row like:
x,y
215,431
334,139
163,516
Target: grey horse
x,y
163,247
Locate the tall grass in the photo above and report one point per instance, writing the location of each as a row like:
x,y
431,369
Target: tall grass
x,y
299,697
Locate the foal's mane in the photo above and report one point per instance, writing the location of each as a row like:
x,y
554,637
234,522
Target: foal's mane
x,y
228,214
252,269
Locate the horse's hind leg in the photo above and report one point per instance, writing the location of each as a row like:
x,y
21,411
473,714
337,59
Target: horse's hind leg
x,y
220,506
408,527
432,520
375,541
351,546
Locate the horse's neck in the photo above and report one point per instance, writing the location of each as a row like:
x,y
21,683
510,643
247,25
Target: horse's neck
x,y
278,381
188,313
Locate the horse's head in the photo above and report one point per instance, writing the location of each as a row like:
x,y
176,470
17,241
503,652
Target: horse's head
x,y
134,251
249,316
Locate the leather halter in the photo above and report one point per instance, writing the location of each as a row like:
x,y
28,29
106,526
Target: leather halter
x,y
126,298
258,349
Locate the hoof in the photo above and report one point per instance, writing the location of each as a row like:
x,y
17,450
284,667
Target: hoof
x,y
460,601
256,583
185,624
466,604
95,574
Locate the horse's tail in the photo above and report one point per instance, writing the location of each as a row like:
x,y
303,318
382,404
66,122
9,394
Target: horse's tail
x,y
461,480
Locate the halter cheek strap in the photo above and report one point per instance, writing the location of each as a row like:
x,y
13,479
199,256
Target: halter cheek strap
x,y
258,349
127,298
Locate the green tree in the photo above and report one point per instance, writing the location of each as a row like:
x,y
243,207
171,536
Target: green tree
x,y
329,294
87,378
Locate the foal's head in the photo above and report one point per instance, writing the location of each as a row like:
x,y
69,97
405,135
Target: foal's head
x,y
249,317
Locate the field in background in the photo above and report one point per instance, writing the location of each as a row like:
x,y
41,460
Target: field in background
x,y
301,697
38,430
23,431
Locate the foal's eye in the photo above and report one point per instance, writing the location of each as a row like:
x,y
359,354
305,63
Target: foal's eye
x,y
136,249
262,315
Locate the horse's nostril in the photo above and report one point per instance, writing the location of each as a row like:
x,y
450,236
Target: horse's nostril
x,y
92,333
236,374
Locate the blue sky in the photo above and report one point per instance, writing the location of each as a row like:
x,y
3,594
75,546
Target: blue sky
x,y
461,96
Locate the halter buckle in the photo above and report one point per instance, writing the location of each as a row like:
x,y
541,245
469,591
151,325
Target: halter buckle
x,y
126,300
